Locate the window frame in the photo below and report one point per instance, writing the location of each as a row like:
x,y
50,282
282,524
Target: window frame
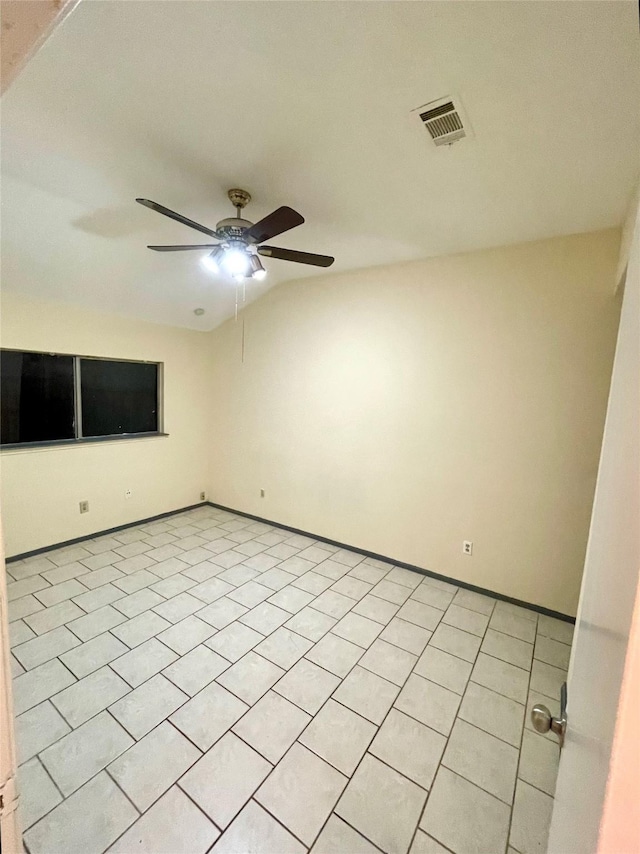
x,y
79,439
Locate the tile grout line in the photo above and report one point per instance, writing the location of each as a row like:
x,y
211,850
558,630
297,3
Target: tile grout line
x,y
515,785
47,772
355,829
453,771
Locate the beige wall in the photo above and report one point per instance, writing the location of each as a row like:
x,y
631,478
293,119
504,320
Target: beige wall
x,y
407,408
399,410
41,488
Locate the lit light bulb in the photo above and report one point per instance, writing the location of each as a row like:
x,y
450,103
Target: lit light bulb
x,y
236,263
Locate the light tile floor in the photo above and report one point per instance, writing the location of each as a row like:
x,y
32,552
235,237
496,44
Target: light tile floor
x,y
210,683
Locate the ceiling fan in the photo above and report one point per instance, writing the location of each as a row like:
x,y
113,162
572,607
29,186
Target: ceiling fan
x,y
240,241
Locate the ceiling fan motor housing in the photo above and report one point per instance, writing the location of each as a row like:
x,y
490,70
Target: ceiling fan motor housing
x,y
232,228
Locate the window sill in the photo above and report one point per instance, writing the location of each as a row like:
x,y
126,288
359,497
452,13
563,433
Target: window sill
x,y
88,440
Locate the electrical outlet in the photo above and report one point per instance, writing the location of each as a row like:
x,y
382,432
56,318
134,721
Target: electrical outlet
x,y
84,506
262,493
203,496
467,547
127,493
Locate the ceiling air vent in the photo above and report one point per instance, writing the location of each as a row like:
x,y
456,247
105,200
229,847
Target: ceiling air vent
x,y
444,121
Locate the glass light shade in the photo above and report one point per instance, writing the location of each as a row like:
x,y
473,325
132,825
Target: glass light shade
x,y
257,270
211,261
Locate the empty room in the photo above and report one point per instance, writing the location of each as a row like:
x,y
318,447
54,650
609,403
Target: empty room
x,y
319,402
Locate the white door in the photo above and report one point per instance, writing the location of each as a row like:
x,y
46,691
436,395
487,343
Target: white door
x,y
607,597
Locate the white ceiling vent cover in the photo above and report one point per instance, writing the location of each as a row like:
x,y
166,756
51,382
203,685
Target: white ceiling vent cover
x,y
444,120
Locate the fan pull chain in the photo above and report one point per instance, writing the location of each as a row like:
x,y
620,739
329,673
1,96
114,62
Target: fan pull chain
x,y
236,301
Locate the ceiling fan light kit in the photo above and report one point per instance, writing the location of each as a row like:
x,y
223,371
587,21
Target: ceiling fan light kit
x,y
237,253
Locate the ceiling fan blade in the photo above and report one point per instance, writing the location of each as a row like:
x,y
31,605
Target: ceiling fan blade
x,y
275,223
178,217
180,248
294,255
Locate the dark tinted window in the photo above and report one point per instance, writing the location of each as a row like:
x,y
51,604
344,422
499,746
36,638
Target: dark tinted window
x,y
37,397
118,397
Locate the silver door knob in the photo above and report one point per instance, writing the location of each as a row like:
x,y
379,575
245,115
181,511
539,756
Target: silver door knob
x,y
543,720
